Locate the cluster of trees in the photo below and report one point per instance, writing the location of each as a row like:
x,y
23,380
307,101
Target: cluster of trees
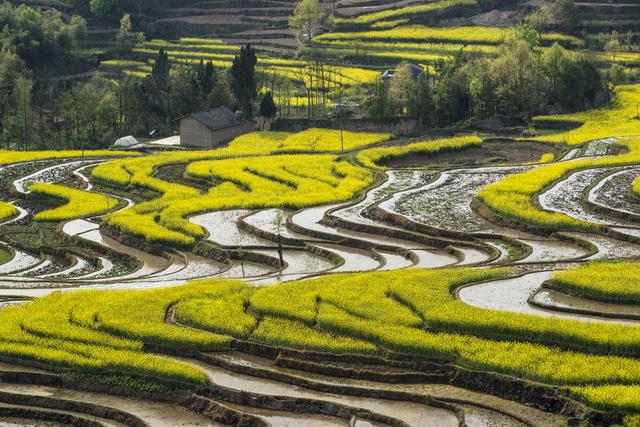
x,y
41,38
112,10
521,81
33,44
95,113
561,15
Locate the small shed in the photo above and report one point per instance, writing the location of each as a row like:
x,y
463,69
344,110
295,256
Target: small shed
x,y
126,141
212,128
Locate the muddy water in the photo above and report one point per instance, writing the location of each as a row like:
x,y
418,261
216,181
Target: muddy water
x,y
598,147
273,221
503,249
21,261
571,154
354,259
105,268
51,174
79,226
551,251
394,261
429,258
151,263
614,193
310,219
56,412
18,422
196,267
556,299
607,247
567,196
251,270
439,391
446,202
34,271
412,413
79,264
512,295
177,263
80,173
223,230
153,413
397,180
481,417
286,419
472,256
300,262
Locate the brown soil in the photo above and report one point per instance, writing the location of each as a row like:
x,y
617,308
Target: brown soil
x,y
206,19
498,18
489,153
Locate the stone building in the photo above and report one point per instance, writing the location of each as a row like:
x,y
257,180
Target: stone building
x,y
212,128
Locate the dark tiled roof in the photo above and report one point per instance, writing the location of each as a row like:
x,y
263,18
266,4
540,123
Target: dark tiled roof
x,y
217,118
415,71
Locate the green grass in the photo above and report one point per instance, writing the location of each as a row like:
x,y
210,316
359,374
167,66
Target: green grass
x,y
5,256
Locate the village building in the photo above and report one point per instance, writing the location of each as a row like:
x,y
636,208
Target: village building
x,y
212,128
415,71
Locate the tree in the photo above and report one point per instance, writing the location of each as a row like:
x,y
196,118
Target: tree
x,y
220,95
268,108
308,17
377,106
402,87
206,77
90,111
126,39
243,79
23,93
157,87
561,15
42,38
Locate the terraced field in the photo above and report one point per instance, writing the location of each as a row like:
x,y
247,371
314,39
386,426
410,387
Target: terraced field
x,y
368,36
285,280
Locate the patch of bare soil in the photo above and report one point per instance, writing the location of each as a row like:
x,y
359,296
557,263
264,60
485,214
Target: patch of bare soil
x,y
269,33
498,18
279,50
206,19
359,9
489,153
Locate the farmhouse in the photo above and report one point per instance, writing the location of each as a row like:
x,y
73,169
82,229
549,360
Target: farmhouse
x,y
212,128
415,71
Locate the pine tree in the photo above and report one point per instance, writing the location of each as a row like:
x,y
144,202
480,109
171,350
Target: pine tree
x,y
243,80
267,108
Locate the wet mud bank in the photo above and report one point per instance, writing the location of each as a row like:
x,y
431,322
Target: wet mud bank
x,y
543,397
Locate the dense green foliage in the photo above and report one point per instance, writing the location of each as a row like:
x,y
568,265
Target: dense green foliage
x,y
519,82
42,38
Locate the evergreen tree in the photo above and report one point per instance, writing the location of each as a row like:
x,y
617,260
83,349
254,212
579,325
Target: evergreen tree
x,y
157,87
243,78
206,78
267,108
